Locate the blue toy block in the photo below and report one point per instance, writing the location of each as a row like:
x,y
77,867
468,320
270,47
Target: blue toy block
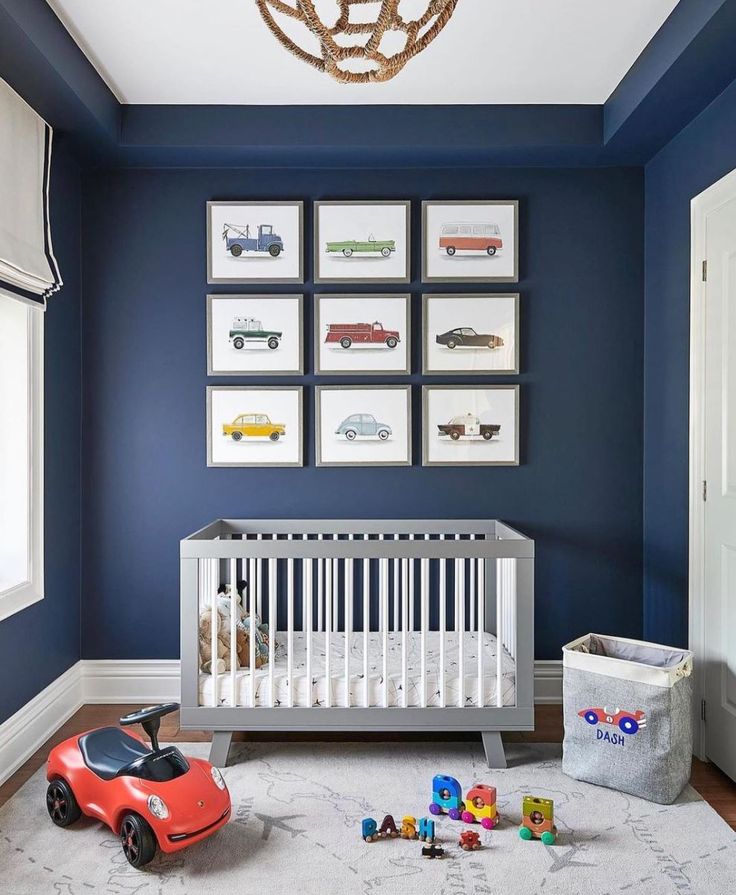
x,y
446,792
369,829
426,829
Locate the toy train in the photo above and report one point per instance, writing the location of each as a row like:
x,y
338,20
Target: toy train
x,y
479,805
538,820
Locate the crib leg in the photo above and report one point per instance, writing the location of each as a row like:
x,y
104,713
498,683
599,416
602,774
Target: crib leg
x,y
221,740
493,746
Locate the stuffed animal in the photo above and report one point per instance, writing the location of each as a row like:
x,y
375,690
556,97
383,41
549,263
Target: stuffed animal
x,y
242,643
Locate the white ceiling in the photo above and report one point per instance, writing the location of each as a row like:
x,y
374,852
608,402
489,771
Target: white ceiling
x,y
492,51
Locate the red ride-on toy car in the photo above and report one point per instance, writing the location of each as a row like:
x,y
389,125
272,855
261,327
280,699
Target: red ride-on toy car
x,y
151,797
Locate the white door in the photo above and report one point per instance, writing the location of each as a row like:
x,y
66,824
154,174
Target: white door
x,y
719,454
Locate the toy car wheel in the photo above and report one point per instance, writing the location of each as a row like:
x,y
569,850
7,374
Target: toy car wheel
x,y
273,343
454,814
61,804
236,251
391,342
346,342
274,436
591,717
383,434
238,343
274,251
347,252
435,809
385,251
451,250
350,434
236,436
491,250
488,823
491,343
487,436
628,725
138,840
525,833
454,435
468,818
451,343
548,837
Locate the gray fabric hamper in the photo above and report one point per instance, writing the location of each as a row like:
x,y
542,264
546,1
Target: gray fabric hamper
x,y
628,718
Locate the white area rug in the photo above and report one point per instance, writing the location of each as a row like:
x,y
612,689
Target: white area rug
x,y
296,829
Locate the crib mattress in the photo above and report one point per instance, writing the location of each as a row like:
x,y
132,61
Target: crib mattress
x,y
315,692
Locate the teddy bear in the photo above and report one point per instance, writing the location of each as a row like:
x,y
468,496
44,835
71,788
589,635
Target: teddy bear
x,y
242,642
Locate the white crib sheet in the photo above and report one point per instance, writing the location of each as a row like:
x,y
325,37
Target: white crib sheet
x,y
304,695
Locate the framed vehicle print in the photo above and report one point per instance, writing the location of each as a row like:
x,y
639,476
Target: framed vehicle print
x,y
255,242
255,335
363,425
470,425
362,241
470,333
259,426
362,334
470,241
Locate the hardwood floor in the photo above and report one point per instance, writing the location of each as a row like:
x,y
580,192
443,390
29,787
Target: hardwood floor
x,y
717,789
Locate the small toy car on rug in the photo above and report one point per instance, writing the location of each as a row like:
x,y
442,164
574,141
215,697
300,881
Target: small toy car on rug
x,y
433,851
150,797
469,840
538,820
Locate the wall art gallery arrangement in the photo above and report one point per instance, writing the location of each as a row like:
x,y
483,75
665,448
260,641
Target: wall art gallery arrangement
x,y
362,334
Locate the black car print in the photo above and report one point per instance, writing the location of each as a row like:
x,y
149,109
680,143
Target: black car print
x,y
466,336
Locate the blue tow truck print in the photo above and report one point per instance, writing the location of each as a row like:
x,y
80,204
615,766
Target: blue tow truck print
x,y
238,240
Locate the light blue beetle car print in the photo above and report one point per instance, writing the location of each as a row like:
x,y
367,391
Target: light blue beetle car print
x,y
365,425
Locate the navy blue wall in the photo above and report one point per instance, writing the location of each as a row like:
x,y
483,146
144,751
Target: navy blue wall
x,y
41,642
578,490
701,154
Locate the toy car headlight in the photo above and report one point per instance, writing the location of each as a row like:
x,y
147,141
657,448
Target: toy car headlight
x,y
217,777
157,807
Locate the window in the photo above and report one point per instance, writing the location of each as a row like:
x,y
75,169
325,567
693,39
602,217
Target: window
x,y
21,454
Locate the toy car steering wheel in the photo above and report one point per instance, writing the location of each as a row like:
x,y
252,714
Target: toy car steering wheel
x,y
150,718
148,713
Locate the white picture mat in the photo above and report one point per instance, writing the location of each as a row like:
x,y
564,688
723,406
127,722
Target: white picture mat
x,y
280,313
495,315
285,220
387,405
338,223
280,405
390,310
496,406
438,265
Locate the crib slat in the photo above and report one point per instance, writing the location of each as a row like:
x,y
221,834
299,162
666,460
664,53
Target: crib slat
x,y
405,629
290,629
500,625
460,589
424,610
272,626
383,624
395,563
366,624
233,629
443,625
214,627
320,586
411,590
308,622
328,633
481,629
348,621
253,576
472,590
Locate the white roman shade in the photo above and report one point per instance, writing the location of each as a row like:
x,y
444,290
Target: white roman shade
x,y
26,256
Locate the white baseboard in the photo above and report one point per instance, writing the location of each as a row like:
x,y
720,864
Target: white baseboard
x,y
137,682
31,726
548,681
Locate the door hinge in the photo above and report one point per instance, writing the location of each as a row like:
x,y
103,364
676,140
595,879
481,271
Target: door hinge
x,y
702,710
705,490
705,271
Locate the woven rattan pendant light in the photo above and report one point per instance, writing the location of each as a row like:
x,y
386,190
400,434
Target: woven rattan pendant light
x,y
353,38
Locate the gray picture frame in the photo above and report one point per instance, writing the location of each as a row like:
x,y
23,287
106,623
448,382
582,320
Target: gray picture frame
x,y
427,297
426,389
514,203
365,387
321,280
363,371
298,280
255,388
211,298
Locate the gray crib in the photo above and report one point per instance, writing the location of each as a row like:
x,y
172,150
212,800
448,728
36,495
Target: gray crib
x,y
380,625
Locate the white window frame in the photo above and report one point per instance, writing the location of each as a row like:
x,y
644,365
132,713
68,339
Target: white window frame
x,y
27,593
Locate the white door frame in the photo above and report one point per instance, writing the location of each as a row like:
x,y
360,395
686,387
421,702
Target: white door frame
x,y
701,206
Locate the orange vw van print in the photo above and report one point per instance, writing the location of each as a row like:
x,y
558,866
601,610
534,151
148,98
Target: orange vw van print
x,y
470,236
